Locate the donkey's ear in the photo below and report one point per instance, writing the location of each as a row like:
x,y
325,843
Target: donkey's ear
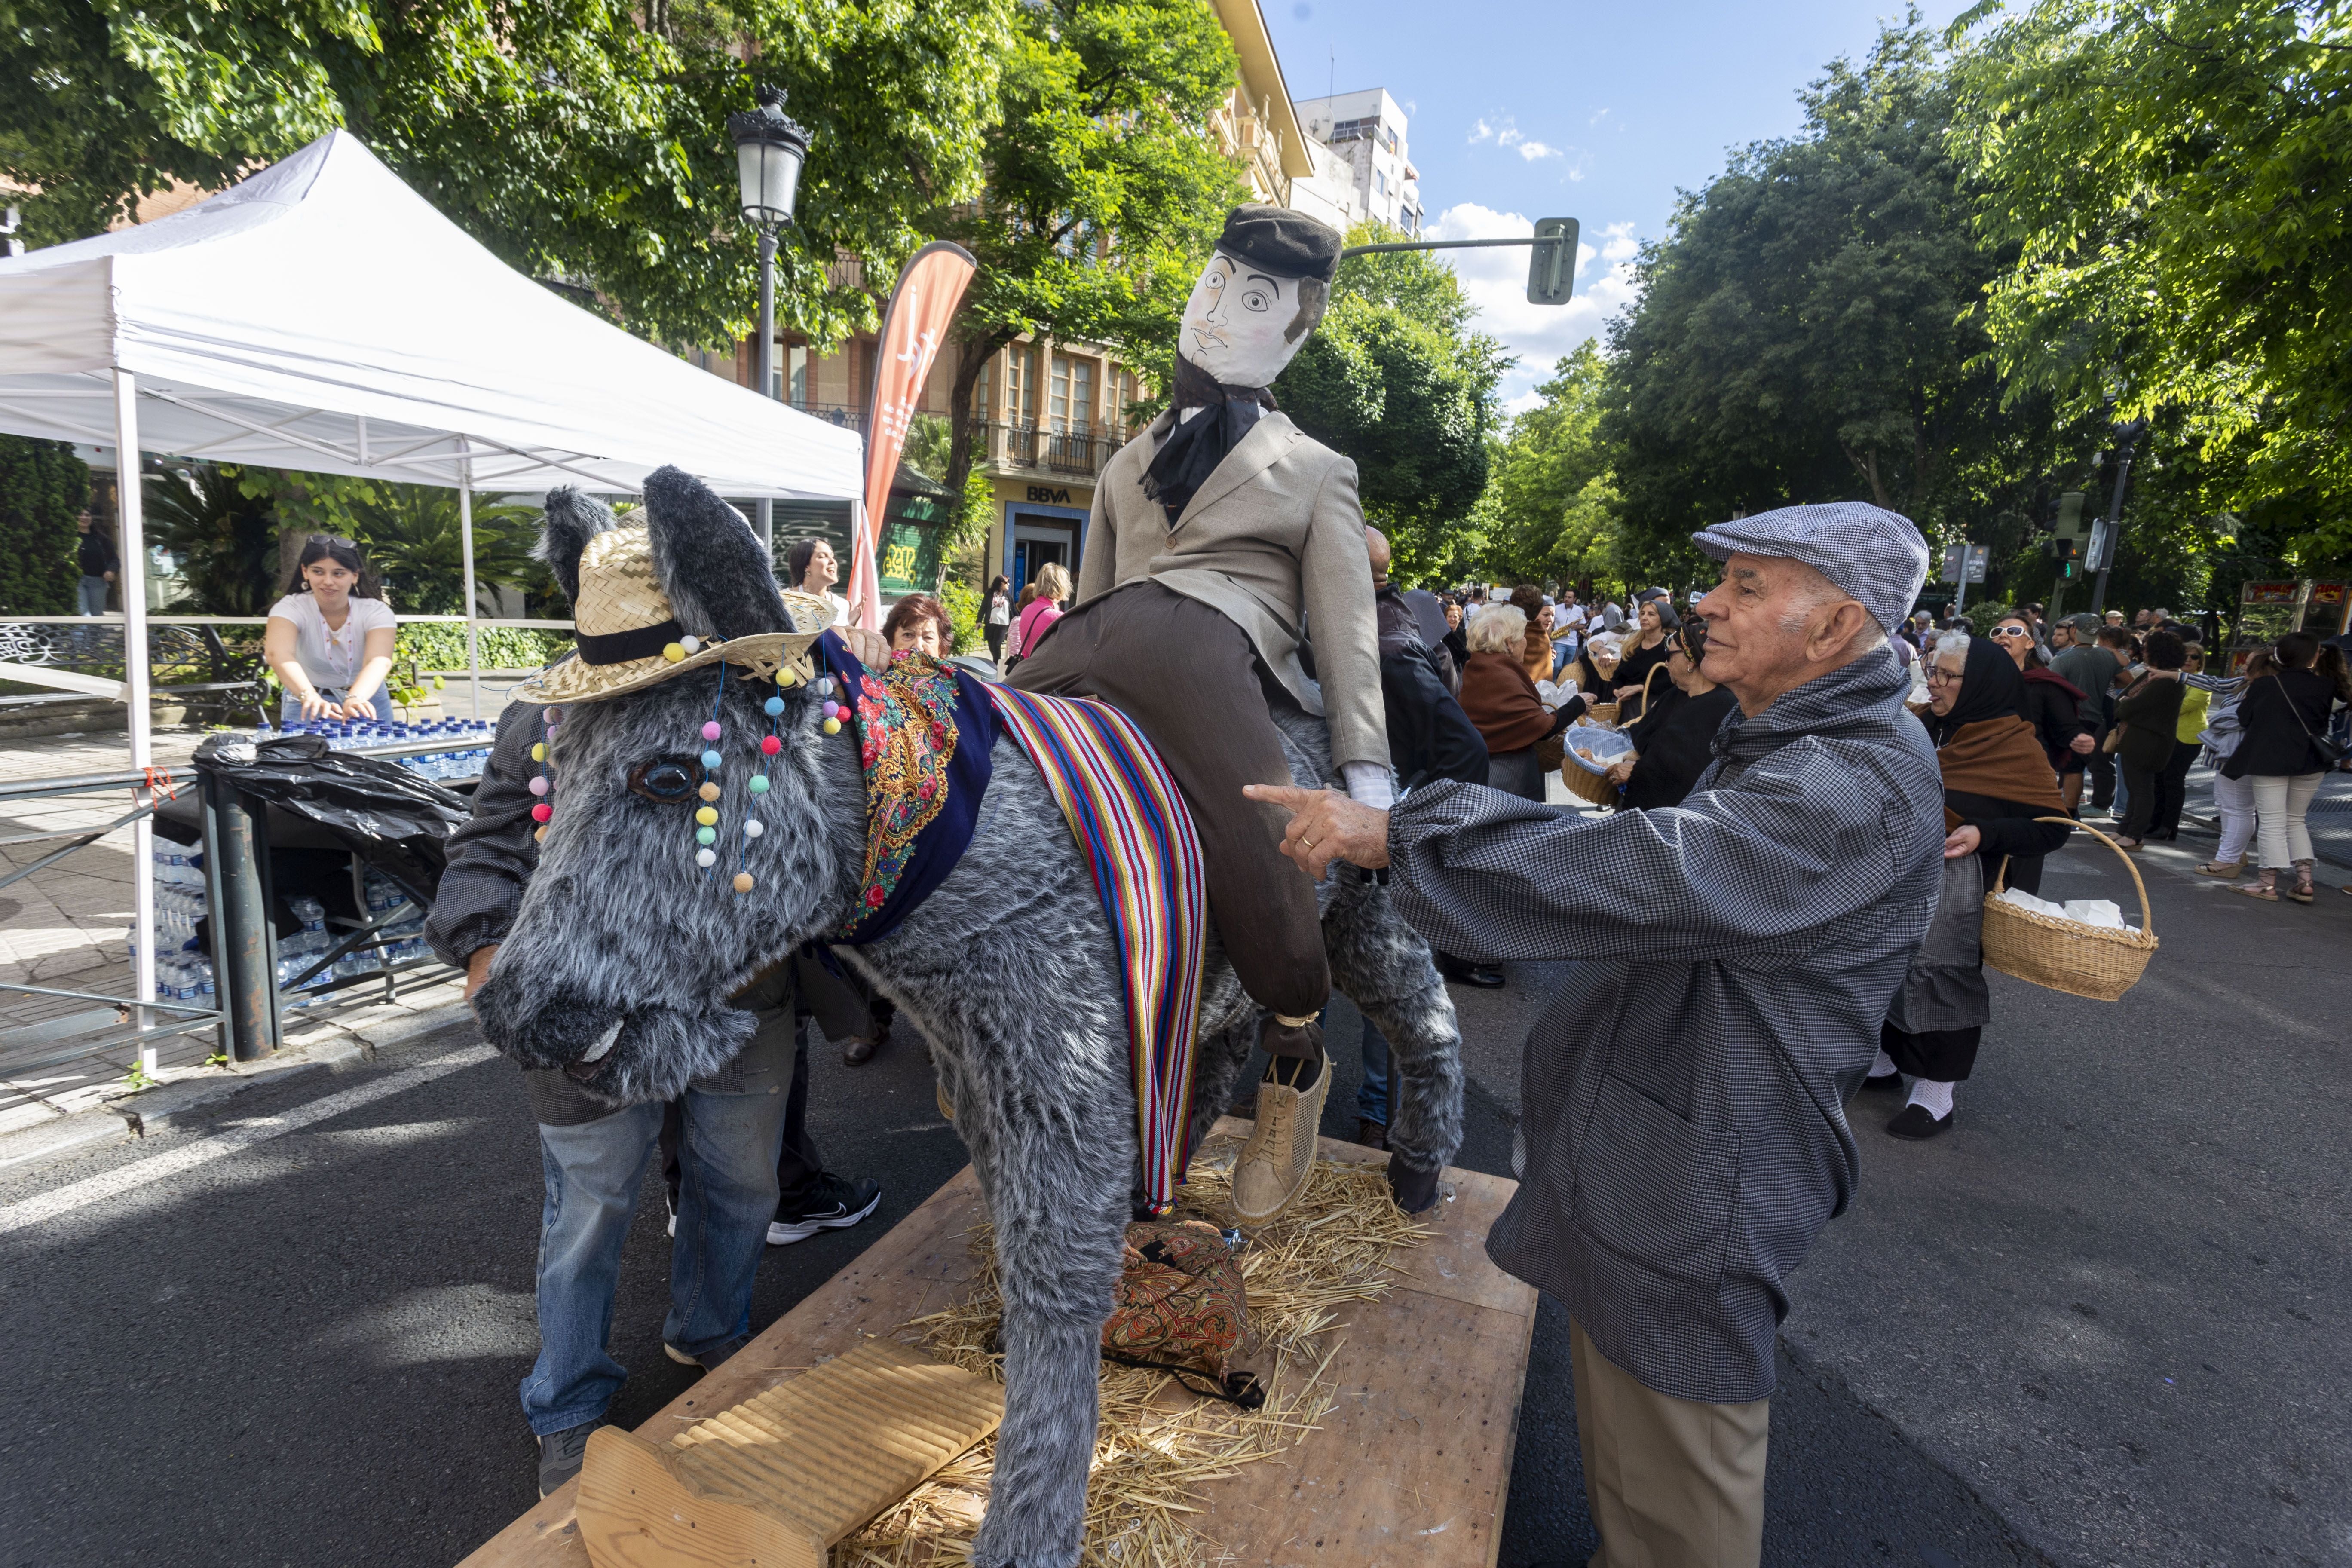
x,y
716,573
572,521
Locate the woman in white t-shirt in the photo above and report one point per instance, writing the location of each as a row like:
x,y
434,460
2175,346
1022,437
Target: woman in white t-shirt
x,y
811,565
330,643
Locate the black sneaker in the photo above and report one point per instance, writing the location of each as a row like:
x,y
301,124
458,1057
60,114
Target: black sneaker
x,y
836,1203
560,1453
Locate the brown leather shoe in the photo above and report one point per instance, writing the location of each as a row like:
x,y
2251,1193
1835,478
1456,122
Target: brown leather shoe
x,y
1372,1135
857,1051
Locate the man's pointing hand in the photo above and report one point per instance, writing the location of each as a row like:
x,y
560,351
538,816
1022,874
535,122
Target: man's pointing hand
x,y
1325,826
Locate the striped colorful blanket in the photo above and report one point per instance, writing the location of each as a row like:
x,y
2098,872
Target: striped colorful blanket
x,y
1131,822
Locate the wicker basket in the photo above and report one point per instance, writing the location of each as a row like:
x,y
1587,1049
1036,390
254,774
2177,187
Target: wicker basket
x,y
2097,961
1601,712
1587,785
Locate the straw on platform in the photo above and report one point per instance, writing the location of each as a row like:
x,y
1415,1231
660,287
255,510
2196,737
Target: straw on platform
x,y
1158,1444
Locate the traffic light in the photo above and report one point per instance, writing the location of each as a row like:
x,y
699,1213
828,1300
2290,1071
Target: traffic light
x,y
2068,553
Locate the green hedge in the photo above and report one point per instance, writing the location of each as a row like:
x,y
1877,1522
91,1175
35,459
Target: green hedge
x,y
441,644
961,601
43,488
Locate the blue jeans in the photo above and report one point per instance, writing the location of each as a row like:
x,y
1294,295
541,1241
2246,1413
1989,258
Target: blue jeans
x,y
734,1123
90,592
1372,1092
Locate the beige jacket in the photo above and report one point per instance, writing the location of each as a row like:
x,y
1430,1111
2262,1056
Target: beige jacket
x,y
1275,540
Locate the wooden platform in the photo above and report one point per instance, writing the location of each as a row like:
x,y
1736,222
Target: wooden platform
x,y
1410,1469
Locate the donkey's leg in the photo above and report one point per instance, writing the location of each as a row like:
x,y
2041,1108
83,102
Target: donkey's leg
x,y
1385,968
1050,1119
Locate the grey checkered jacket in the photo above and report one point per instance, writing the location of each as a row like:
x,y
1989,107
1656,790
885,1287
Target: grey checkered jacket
x,y
1685,1136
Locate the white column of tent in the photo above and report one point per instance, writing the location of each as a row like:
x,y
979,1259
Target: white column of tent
x,y
466,540
132,579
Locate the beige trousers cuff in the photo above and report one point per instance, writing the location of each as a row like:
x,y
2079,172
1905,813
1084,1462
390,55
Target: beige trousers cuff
x,y
1673,1483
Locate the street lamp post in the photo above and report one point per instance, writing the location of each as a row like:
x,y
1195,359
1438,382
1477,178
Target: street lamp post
x,y
769,152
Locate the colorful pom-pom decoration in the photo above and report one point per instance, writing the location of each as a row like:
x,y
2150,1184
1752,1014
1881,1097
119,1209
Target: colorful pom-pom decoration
x,y
824,686
832,726
542,812
772,706
691,643
708,791
743,881
760,783
706,859
752,830
708,815
710,729
538,784
539,750
705,835
711,759
674,652
550,735
550,714
539,835
770,745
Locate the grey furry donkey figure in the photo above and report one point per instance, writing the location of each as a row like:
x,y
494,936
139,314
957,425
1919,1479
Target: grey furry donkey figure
x,y
621,940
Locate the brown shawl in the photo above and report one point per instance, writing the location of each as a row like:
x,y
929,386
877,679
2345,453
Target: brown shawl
x,y
1502,702
2001,758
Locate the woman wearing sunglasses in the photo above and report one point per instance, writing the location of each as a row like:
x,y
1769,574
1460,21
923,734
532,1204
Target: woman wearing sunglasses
x,y
2053,704
1674,740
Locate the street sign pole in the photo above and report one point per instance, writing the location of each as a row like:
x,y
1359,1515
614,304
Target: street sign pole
x,y
2104,537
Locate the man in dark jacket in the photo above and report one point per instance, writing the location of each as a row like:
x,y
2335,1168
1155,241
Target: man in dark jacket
x,y
1683,1136
2089,667
757,1175
99,565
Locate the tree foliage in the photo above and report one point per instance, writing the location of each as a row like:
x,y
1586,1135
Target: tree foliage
x,y
43,489
1807,331
2172,184
1103,185
581,139
1395,379
1551,509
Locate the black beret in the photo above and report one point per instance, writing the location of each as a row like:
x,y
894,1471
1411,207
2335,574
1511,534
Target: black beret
x,y
1286,244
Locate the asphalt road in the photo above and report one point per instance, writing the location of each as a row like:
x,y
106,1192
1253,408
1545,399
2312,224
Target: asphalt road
x,y
2101,1322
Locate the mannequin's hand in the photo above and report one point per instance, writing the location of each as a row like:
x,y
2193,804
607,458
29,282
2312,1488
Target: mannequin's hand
x,y
869,648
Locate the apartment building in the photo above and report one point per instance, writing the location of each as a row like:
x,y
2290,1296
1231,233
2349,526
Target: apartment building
x,y
1363,158
1046,415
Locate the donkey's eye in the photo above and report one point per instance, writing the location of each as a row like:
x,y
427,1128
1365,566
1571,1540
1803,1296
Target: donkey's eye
x,y
664,779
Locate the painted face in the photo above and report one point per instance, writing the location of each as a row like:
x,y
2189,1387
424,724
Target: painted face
x,y
1242,324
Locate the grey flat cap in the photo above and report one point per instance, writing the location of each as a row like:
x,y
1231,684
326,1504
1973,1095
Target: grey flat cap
x,y
1288,243
1876,556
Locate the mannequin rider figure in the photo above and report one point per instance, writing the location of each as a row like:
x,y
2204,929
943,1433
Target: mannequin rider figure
x,y
1220,538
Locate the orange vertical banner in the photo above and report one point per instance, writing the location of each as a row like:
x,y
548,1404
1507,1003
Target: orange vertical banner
x,y
914,325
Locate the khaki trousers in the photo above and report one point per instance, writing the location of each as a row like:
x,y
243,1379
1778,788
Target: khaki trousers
x,y
1673,1483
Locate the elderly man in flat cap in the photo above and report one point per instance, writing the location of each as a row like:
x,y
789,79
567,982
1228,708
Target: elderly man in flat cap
x,y
1219,537
1683,1136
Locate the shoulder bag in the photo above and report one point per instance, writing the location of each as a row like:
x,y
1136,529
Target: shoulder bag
x,y
2330,753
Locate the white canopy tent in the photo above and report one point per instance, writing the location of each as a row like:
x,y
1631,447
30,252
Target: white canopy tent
x,y
322,316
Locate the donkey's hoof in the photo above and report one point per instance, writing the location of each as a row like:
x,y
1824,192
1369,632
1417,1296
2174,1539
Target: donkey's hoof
x,y
1279,1157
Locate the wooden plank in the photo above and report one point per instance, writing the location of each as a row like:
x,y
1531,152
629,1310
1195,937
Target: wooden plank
x,y
778,1479
1411,1467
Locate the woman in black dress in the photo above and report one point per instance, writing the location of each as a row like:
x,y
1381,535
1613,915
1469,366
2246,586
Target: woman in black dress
x,y
1676,739
1996,781
1647,649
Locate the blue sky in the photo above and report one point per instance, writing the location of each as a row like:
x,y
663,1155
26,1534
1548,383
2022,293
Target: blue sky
x,y
1564,108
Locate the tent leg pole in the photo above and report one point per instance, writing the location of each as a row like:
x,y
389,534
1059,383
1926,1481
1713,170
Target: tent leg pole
x,y
466,539
765,360
132,580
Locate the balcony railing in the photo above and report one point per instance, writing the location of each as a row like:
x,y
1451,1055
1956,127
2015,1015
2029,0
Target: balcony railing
x,y
1053,451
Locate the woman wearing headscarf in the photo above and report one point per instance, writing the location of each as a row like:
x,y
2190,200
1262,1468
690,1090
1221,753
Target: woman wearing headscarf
x,y
1996,781
1676,739
1503,704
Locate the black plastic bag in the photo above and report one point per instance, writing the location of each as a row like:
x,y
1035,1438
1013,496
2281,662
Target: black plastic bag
x,y
397,821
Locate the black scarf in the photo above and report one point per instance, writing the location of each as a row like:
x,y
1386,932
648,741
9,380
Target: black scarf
x,y
1196,445
1991,687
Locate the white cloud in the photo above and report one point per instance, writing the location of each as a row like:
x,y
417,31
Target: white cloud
x,y
1507,135
1496,283
1598,118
